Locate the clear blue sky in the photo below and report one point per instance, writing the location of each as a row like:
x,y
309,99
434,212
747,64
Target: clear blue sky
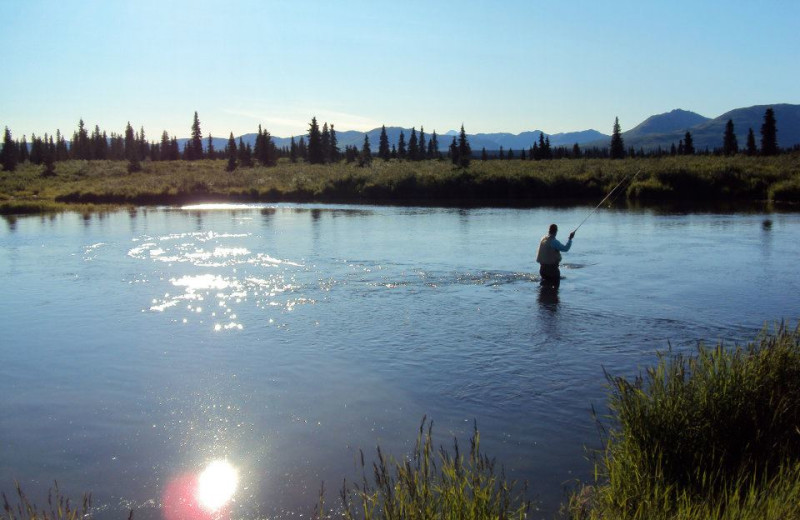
x,y
508,66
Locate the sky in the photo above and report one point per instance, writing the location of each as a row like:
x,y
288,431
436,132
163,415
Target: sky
x,y
503,66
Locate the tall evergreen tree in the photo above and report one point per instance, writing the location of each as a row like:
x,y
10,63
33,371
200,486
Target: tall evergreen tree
x,y
37,150
501,154
452,151
195,148
423,151
769,134
730,146
464,150
24,153
617,148
688,144
433,147
383,145
210,152
325,143
293,151
165,146
230,152
576,151
484,155
62,152
302,149
334,146
413,146
751,143
9,153
130,142
401,146
315,154
365,157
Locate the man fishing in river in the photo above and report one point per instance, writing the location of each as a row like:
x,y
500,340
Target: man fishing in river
x,y
549,255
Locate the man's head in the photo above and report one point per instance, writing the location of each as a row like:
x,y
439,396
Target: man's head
x,y
553,229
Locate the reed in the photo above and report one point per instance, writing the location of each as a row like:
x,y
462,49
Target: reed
x,y
715,435
510,182
431,484
58,507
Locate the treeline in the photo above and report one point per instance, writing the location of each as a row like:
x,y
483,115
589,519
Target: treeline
x,y
320,146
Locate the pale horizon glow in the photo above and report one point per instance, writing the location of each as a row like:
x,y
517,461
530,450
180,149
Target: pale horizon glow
x,y
511,66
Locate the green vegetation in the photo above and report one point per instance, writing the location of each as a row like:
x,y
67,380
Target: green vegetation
x,y
58,507
694,179
713,436
456,487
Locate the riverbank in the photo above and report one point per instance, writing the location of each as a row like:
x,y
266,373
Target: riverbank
x,y
688,179
711,436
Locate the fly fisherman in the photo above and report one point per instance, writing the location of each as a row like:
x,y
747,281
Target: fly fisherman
x,y
549,255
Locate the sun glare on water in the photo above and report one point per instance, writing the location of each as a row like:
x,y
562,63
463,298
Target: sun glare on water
x,y
216,485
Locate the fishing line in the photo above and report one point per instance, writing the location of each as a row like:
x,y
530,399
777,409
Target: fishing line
x,y
606,198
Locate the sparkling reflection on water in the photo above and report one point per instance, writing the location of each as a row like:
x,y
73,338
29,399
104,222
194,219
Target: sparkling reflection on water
x,y
139,346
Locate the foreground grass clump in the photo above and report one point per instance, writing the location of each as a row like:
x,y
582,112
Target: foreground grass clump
x,y
713,436
58,507
456,487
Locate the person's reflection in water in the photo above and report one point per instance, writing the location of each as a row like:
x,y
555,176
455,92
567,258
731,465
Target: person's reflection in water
x,y
548,296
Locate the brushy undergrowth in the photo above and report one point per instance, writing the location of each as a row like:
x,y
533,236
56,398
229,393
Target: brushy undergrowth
x,y
510,182
713,436
433,484
58,507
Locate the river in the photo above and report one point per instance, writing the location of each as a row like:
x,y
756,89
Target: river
x,y
139,345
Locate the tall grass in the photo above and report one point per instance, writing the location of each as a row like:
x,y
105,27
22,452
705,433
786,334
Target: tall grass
x,y
431,484
510,182
58,507
715,435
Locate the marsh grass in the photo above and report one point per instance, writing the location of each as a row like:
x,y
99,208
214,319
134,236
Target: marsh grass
x,y
715,435
515,182
58,507
433,484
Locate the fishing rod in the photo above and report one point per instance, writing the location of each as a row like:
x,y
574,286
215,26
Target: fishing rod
x,y
605,199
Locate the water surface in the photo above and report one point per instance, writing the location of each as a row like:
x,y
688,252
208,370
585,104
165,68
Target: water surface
x,y
140,345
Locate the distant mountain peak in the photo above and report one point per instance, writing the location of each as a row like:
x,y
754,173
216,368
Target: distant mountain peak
x,y
673,121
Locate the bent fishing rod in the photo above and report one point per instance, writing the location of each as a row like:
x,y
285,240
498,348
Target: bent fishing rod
x,y
605,199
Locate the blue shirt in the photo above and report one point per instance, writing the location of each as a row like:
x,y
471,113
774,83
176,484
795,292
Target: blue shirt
x,y
558,246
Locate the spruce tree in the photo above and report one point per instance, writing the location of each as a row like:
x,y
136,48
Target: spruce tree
x,y
195,149
423,151
24,153
81,143
293,151
302,149
576,151
230,152
452,152
433,147
751,143
688,144
37,150
210,152
365,157
501,154
383,145
617,148
484,155
334,146
130,142
62,152
315,155
464,150
325,143
9,154
769,134
401,146
413,146
510,153
730,145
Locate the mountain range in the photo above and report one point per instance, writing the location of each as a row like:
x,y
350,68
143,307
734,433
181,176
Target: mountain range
x,y
662,130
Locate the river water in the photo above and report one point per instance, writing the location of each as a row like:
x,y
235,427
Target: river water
x,y
137,346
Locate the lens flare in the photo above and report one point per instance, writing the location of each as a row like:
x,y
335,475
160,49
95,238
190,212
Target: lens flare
x,y
216,485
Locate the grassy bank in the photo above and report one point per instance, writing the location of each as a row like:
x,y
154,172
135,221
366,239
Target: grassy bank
x,y
714,436
687,178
